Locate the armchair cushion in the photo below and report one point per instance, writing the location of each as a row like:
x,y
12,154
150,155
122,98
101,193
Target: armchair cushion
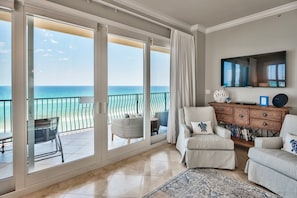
x,y
202,127
209,142
269,142
290,144
276,159
222,132
198,114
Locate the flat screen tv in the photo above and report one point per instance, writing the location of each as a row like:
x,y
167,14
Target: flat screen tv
x,y
261,70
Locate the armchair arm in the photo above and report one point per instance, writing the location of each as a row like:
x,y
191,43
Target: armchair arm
x,y
269,142
221,131
184,131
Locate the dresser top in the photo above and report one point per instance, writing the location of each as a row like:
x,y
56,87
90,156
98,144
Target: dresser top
x,y
250,106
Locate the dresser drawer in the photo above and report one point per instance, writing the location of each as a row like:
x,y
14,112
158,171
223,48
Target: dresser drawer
x,y
241,116
223,110
264,114
224,118
266,124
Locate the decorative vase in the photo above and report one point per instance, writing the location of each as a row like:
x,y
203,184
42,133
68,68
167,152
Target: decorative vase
x,y
220,95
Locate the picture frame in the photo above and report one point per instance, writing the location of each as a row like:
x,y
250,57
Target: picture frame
x,y
264,101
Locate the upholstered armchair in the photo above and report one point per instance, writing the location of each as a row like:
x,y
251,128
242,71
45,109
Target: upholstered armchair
x,y
127,128
273,160
213,149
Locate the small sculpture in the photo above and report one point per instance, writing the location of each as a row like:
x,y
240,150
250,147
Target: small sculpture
x,y
220,95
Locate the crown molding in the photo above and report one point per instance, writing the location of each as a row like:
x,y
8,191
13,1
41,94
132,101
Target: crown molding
x,y
7,4
133,7
199,28
260,15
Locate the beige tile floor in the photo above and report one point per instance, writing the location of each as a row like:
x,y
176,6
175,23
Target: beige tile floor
x,y
76,145
132,177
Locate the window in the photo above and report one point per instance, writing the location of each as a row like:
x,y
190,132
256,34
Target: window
x,y
276,75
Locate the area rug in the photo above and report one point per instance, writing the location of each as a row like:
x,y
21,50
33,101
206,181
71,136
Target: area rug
x,y
202,183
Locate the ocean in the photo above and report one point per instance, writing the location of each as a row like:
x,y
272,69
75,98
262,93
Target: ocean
x,y
77,91
74,104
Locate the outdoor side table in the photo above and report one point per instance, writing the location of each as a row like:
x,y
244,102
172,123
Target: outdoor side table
x,y
4,137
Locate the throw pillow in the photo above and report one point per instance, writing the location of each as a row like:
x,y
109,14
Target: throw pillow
x,y
290,144
203,127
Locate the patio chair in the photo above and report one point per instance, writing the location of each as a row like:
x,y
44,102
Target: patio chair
x,y
163,121
47,130
127,128
163,117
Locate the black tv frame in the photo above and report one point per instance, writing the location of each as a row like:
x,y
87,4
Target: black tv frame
x,y
277,58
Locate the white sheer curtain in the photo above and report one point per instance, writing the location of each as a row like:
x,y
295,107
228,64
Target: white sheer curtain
x,y
182,79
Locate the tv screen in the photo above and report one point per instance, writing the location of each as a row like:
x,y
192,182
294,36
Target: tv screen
x,y
261,70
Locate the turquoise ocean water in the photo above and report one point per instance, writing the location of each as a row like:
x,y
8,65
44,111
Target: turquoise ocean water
x,y
70,108
75,91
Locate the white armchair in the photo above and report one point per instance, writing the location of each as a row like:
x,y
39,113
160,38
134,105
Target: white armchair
x,y
200,150
127,128
269,165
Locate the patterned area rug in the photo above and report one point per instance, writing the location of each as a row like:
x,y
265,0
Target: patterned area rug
x,y
207,183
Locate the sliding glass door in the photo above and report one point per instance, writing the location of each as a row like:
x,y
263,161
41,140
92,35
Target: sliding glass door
x,y
6,130
60,93
160,92
125,91
81,95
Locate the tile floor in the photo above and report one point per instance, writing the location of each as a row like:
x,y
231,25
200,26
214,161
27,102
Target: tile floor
x,y
132,177
76,145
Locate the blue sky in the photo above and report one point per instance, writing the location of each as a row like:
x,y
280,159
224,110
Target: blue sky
x,y
64,59
60,59
5,53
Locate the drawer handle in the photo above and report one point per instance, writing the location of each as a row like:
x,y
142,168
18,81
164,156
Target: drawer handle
x,y
265,114
241,116
265,124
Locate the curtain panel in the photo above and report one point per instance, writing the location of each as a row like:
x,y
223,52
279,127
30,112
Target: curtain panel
x,y
182,78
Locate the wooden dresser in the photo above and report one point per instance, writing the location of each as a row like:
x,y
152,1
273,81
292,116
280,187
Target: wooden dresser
x,y
250,116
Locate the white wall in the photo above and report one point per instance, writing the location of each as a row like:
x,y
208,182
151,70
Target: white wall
x,y
271,34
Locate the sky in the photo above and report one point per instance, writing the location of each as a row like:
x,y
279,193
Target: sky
x,y
65,59
5,53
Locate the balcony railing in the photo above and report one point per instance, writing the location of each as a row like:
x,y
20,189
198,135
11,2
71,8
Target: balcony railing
x,y
76,113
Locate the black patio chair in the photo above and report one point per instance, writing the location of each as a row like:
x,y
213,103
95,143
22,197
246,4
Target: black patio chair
x,y
47,130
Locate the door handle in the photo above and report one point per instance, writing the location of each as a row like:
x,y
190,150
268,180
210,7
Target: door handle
x,y
102,108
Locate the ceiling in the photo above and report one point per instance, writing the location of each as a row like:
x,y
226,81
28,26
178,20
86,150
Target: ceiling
x,y
205,13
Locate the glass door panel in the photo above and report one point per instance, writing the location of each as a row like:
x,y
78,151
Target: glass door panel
x,y
160,82
60,91
6,131
125,92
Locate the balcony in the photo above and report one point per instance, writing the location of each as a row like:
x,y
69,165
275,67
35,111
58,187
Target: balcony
x,y
75,125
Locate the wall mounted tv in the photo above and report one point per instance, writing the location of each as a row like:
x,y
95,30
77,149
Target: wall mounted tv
x,y
261,70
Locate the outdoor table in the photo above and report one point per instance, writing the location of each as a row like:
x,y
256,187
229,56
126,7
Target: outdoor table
x,y
3,138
